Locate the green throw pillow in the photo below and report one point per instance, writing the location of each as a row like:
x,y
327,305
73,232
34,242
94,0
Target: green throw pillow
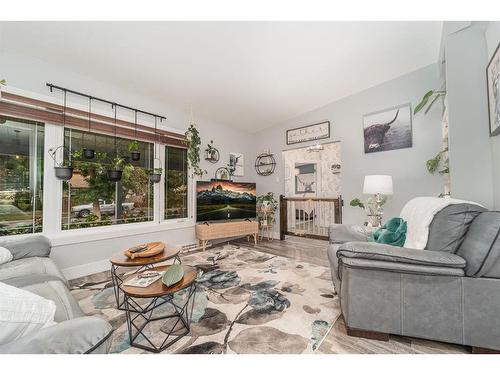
x,y
393,232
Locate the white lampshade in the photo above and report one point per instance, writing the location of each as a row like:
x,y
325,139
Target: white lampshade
x,y
378,184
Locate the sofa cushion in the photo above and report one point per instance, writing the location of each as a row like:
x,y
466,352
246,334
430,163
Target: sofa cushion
x,y
30,246
5,255
88,334
387,253
30,266
23,313
481,247
450,225
51,288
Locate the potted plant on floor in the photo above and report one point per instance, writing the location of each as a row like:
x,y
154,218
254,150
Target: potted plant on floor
x,y
266,208
116,169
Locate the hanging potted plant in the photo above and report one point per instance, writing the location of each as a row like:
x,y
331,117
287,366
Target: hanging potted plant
x,y
211,153
133,148
116,169
155,175
89,153
193,152
63,170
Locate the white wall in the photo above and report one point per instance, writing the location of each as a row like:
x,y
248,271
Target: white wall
x,y
31,74
492,35
471,171
407,166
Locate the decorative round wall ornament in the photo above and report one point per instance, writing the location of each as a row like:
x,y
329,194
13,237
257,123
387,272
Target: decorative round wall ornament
x,y
265,164
222,173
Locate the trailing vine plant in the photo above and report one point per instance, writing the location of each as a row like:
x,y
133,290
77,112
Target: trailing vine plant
x,y
193,152
440,161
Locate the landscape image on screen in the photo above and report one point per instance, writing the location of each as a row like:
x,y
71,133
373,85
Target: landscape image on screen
x,y
224,200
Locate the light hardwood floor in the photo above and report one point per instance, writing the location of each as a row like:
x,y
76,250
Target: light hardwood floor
x,y
337,340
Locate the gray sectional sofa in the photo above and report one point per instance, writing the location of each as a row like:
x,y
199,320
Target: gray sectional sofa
x,y
32,269
448,292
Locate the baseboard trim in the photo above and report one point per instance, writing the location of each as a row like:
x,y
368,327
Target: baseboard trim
x,y
86,269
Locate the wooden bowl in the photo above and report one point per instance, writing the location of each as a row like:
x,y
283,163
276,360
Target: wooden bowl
x,y
154,248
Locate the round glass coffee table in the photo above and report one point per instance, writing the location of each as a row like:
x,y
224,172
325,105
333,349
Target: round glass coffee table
x,y
120,260
141,308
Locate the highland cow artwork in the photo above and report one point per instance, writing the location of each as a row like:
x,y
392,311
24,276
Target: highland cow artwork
x,y
389,129
493,81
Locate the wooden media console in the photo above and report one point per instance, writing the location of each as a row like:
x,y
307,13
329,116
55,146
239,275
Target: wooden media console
x,y
213,231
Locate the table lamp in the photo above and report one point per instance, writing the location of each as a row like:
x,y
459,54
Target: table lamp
x,y
379,186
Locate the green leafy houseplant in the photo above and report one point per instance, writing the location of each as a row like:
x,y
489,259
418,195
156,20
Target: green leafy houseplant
x,y
428,100
193,152
117,163
369,205
440,160
266,207
115,170
133,146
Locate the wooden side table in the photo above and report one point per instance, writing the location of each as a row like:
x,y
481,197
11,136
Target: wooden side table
x,y
119,260
139,315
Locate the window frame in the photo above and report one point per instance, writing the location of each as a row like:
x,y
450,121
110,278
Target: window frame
x,y
34,174
53,192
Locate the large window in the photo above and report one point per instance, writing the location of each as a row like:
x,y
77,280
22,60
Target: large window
x,y
21,176
175,183
90,199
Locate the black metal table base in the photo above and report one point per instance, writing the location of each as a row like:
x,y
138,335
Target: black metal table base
x,y
117,280
182,315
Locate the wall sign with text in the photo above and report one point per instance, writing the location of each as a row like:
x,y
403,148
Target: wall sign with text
x,y
308,133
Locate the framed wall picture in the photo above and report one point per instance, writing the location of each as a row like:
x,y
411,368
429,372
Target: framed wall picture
x,y
493,86
389,129
305,178
320,130
236,164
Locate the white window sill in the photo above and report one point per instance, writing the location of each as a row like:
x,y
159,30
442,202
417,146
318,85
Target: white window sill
x,y
113,231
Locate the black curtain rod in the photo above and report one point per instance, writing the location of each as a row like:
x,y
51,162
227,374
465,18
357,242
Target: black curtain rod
x,y
51,86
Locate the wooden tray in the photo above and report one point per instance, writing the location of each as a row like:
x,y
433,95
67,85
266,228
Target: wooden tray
x,y
154,248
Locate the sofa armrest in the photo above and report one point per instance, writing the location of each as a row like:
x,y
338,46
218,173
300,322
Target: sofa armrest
x,y
341,233
88,334
379,265
387,253
30,246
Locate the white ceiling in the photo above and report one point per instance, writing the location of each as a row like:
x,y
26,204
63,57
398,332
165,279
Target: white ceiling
x,y
249,75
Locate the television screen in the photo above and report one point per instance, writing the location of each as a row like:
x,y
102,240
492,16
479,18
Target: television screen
x,y
225,200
